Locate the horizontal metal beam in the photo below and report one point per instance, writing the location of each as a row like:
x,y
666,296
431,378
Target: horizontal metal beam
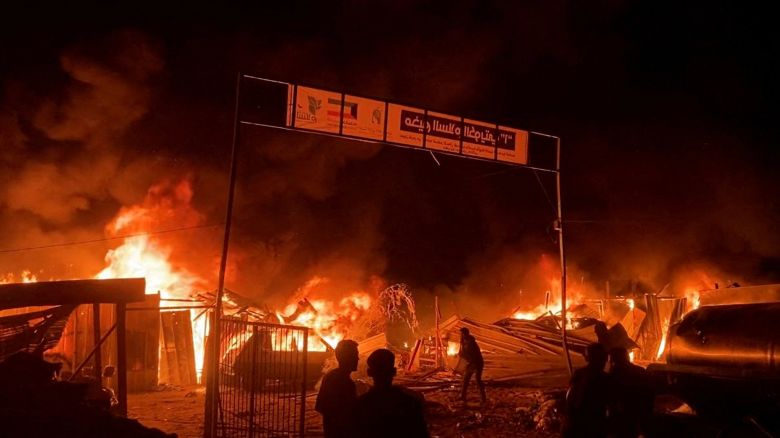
x,y
384,143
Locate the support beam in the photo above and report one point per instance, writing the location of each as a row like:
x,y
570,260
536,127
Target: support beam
x,y
212,378
562,253
96,337
52,293
121,358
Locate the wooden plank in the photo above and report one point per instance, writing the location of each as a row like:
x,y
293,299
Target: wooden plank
x,y
494,336
121,354
369,345
124,290
178,348
143,337
184,348
169,348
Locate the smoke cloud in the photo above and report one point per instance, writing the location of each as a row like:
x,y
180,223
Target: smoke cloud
x,y
661,183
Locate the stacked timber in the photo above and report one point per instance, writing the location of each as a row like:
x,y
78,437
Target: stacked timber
x,y
514,349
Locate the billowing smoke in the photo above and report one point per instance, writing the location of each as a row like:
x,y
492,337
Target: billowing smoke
x,y
65,166
647,206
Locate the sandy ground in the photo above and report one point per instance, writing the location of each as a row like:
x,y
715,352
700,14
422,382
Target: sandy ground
x,y
511,411
172,409
508,412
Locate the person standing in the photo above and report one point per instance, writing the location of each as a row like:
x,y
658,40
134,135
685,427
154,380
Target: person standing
x,y
387,410
470,352
631,398
586,399
337,398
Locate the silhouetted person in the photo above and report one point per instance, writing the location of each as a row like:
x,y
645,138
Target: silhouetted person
x,y
586,399
631,396
470,352
388,410
338,395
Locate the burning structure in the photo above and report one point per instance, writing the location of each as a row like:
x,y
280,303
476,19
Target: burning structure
x,y
315,230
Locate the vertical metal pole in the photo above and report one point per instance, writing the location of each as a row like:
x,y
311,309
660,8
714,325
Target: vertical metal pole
x,y
121,358
562,253
295,105
303,383
438,335
425,129
212,388
96,338
341,114
252,384
384,128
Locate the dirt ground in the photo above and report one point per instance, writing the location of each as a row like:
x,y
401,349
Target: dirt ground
x,y
519,410
508,412
170,409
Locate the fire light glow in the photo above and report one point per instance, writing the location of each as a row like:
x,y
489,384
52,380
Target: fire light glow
x,y
554,306
144,256
452,348
693,298
25,277
329,320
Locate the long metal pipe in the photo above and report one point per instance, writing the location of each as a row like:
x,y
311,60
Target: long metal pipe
x,y
562,253
210,423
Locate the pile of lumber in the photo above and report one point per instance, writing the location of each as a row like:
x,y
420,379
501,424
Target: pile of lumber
x,y
514,349
515,336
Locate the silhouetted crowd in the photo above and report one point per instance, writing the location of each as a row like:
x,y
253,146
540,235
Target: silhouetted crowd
x,y
618,403
614,404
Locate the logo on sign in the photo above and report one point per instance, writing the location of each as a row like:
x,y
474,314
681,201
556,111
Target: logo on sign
x,y
314,105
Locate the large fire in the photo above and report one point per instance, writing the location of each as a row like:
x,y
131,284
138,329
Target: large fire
x,y
168,206
144,256
329,320
553,304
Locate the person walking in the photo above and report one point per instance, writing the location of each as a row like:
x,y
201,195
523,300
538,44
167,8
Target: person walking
x,y
472,355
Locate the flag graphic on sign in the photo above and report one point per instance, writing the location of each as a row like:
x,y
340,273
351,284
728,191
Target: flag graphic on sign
x,y
350,109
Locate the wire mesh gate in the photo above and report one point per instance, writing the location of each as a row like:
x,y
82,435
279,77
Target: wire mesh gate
x,y
262,379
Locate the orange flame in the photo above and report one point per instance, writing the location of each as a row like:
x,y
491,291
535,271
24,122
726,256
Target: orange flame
x,y
25,277
145,256
330,321
693,298
453,348
555,305
662,344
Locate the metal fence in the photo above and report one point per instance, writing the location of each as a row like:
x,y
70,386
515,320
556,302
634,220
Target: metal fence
x,y
262,379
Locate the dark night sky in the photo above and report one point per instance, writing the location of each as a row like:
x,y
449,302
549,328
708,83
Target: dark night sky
x,y
665,114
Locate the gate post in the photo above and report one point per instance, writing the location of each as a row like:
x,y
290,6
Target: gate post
x,y
305,377
252,377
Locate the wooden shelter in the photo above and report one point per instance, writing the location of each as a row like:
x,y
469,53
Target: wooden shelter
x,y
34,297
